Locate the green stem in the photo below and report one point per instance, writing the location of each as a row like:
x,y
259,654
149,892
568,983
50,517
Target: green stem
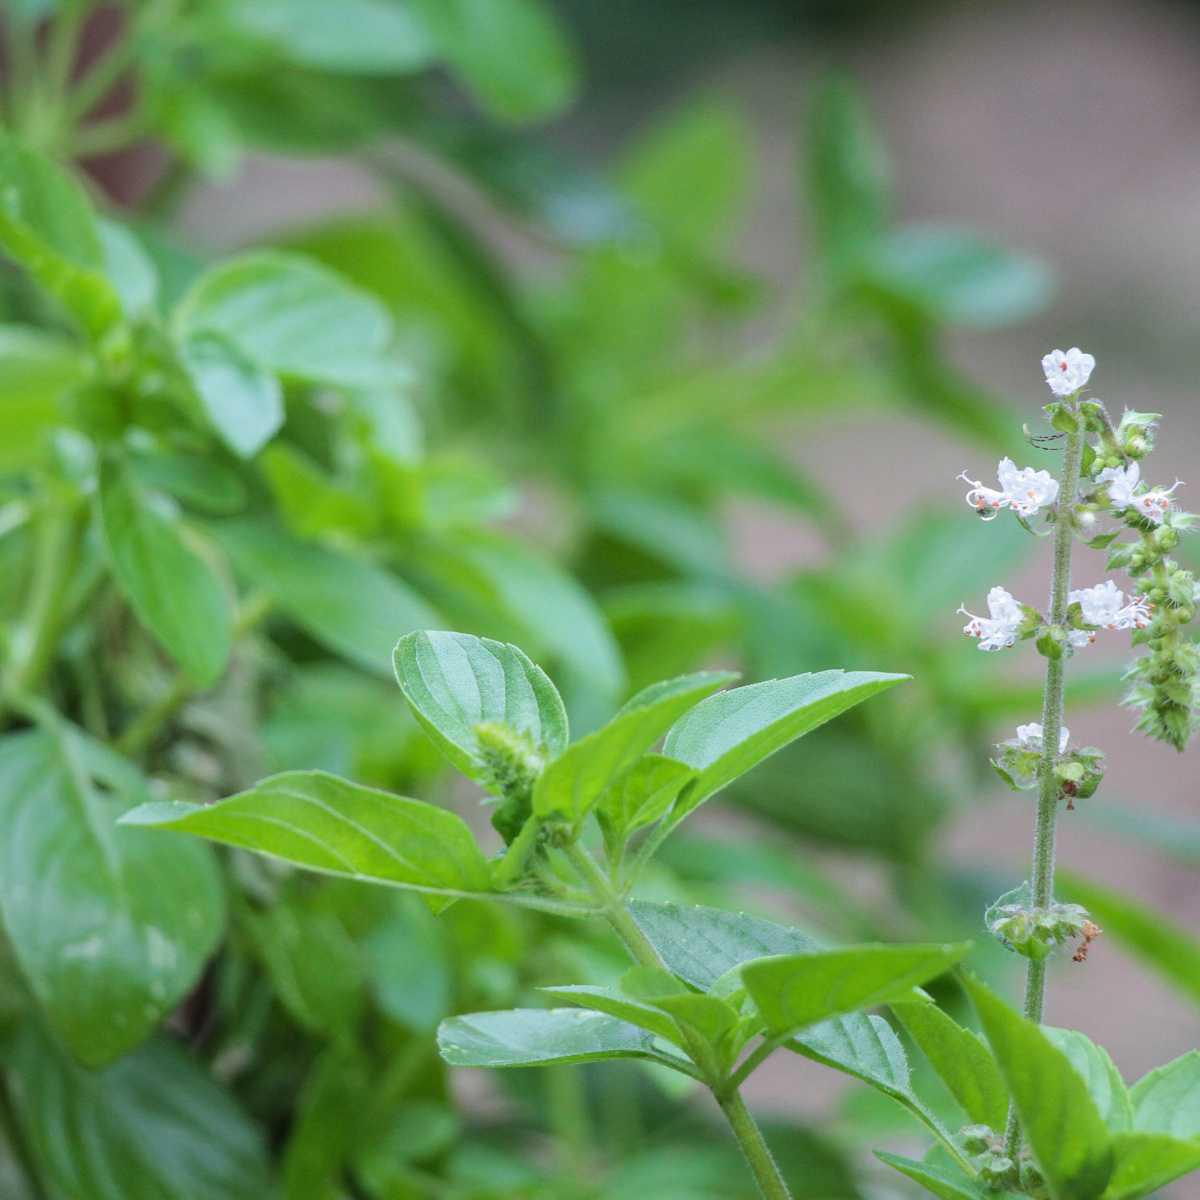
x,y
1042,883
102,76
758,1155
747,1133
147,725
59,533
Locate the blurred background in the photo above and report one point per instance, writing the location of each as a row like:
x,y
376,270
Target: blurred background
x,y
706,304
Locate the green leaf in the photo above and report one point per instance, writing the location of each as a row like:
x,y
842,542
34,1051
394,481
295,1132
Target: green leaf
x,y
129,268
36,369
331,825
511,54
644,793
554,615
730,733
154,1126
535,1037
964,1063
1061,1123
690,174
1143,932
110,926
953,276
240,400
1145,1162
47,226
795,991
453,682
174,591
204,483
700,945
947,1182
615,1003
313,963
848,179
573,782
287,314
1167,1099
1097,1069
348,604
360,37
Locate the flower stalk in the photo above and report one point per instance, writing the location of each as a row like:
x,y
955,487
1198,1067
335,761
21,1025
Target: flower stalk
x,y
1042,883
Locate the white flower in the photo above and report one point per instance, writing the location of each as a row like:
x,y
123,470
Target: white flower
x,y
1030,737
1066,372
1156,503
1078,638
1027,489
1122,485
998,629
1024,490
1104,605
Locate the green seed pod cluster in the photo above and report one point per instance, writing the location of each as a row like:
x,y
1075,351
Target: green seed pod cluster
x,y
1031,931
513,765
1164,682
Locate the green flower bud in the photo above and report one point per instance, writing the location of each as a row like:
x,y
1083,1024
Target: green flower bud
x,y
977,1139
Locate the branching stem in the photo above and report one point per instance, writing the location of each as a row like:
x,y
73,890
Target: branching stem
x,y
745,1130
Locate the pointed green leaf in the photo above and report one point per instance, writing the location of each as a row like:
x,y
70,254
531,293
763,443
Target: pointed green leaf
x,y
110,926
1098,1071
573,783
534,1037
348,604
1145,1162
1167,1099
48,227
615,1003
337,827
129,268
174,591
947,1182
290,315
848,180
644,793
795,991
241,401
702,944
727,735
453,682
964,1063
153,1126
512,55
1061,1123
36,369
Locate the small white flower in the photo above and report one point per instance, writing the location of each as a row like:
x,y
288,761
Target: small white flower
x,y
998,629
1030,737
1027,489
1104,605
1156,503
1122,485
1099,604
1067,371
1024,490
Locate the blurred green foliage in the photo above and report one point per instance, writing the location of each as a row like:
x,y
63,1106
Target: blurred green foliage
x,y
227,488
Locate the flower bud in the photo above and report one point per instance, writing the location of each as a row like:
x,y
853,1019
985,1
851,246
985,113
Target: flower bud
x,y
998,1170
513,765
1029,930
977,1139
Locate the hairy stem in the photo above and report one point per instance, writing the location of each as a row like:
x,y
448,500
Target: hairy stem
x,y
745,1130
1042,883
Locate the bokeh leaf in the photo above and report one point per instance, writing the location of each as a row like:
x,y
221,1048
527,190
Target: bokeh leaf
x,y
110,926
